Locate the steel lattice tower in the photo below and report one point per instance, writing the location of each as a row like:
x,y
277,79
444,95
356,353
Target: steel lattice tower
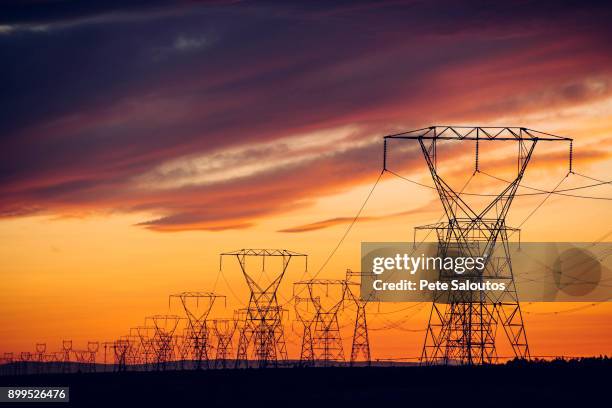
x,y
121,348
462,324
224,330
360,348
145,348
163,346
66,349
197,306
41,348
261,328
305,311
92,348
183,346
325,329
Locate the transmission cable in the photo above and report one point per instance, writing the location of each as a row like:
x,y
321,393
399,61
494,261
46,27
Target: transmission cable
x,y
539,191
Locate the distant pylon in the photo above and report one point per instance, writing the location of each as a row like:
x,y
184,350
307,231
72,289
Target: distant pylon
x,y
164,325
262,325
224,330
360,348
326,337
92,348
306,312
40,355
197,307
66,348
40,351
135,356
107,345
146,335
121,349
183,347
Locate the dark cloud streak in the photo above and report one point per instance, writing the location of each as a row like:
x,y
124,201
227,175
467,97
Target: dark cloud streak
x,y
100,94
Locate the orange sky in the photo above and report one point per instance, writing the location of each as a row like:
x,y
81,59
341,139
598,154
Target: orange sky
x,y
123,177
94,277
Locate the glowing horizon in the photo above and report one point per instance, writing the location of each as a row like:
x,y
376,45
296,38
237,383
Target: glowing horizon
x,y
129,166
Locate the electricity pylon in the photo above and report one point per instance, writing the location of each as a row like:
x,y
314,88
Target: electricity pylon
x,y
107,345
326,339
197,306
92,348
135,356
40,351
121,349
306,311
360,348
183,346
262,325
146,335
463,323
66,348
224,330
165,326
40,355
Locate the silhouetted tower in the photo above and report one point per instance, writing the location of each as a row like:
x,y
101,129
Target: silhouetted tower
x,y
306,311
121,349
245,334
327,296
41,348
146,335
164,325
197,306
262,328
107,345
135,355
66,349
223,330
92,348
183,346
360,349
462,323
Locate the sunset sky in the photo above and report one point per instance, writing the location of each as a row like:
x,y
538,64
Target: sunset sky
x,y
140,142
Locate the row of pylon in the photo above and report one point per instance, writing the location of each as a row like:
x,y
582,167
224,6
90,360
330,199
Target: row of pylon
x,y
41,361
253,336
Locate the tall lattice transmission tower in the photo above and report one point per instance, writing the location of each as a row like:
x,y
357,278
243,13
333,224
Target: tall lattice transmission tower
x,y
261,328
462,324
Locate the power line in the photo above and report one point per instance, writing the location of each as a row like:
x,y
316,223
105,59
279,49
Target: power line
x,y
343,237
540,205
539,191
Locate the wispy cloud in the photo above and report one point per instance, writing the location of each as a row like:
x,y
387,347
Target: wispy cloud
x,y
432,206
257,113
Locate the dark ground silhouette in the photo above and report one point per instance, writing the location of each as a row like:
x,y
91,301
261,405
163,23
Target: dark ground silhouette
x,y
579,383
